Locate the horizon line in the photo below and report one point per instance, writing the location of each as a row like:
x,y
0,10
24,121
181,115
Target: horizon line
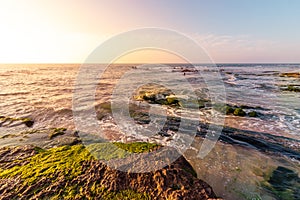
x,y
217,63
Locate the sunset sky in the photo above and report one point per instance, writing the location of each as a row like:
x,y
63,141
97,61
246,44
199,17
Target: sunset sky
x,y
67,31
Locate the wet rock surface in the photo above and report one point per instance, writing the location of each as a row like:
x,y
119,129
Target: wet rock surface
x,y
284,183
44,138
263,142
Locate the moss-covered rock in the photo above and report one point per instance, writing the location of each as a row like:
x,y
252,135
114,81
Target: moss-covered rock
x,y
154,93
157,94
239,112
283,183
71,172
172,99
253,114
56,132
6,121
292,88
116,150
229,110
66,160
137,147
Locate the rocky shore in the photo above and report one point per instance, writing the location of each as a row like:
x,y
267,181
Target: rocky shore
x,y
71,172
53,163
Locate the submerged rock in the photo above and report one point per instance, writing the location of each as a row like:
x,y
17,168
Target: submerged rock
x,y
71,172
283,183
291,88
264,142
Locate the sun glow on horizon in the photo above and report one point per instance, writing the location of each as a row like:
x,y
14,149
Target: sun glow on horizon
x,y
149,56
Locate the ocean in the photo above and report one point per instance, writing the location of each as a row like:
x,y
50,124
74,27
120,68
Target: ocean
x,y
249,149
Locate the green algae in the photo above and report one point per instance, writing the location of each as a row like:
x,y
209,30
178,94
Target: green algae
x,y
239,112
108,151
229,110
137,147
292,88
253,114
236,110
56,132
66,160
29,132
9,120
172,99
283,183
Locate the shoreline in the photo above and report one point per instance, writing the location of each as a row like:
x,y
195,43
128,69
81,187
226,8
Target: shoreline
x,y
232,156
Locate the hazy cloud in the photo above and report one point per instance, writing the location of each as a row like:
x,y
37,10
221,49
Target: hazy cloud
x,y
243,48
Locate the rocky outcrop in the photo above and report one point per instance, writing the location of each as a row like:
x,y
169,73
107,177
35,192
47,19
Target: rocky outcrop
x,y
10,121
290,88
27,172
264,142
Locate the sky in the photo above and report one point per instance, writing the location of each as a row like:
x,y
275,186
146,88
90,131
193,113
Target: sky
x,y
230,31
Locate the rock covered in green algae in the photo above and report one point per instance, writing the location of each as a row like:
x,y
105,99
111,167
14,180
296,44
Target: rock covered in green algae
x,y
56,131
291,88
172,99
229,110
70,172
153,93
283,183
236,110
253,114
239,112
10,121
157,94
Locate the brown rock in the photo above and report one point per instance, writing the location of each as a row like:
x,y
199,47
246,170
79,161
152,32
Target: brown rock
x,y
174,181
